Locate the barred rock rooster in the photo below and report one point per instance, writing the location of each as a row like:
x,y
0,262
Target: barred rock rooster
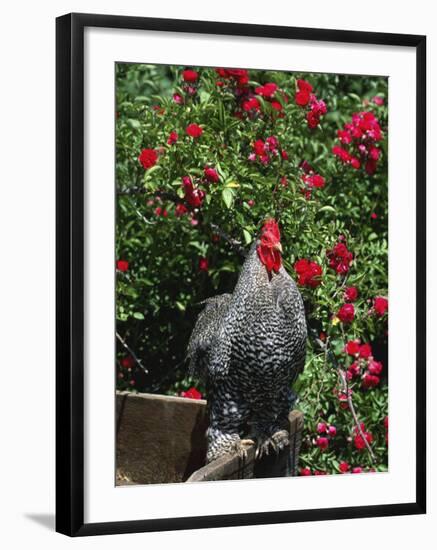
x,y
251,346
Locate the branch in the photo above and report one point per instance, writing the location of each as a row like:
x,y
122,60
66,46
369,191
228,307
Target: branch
x,y
137,361
354,414
132,191
236,245
138,213
173,197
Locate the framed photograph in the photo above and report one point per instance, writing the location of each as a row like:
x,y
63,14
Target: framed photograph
x,y
240,274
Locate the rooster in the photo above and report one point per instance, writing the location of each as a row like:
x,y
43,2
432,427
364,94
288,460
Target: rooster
x,y
251,346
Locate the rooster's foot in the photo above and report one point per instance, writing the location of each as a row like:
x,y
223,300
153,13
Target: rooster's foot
x,y
241,447
278,441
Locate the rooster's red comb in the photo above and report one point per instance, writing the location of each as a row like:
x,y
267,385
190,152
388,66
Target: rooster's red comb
x,y
271,226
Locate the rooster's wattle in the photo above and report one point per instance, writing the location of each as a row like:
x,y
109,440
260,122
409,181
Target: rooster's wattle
x,y
251,346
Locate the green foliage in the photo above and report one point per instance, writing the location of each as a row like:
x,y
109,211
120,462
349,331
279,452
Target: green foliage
x,y
158,296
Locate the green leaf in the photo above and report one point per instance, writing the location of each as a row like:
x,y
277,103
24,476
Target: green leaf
x,y
204,96
247,236
134,123
228,197
138,315
180,306
327,208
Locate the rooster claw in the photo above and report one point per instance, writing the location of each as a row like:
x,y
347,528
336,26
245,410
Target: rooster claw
x,y
278,441
242,446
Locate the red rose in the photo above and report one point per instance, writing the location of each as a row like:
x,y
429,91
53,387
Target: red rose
x,y
321,428
189,75
318,181
365,351
318,106
272,144
148,158
310,273
251,104
341,153
187,183
195,197
302,98
351,294
357,470
343,467
332,431
353,371
380,305
305,471
370,381
346,313
211,174
194,130
340,258
203,264
276,105
127,362
172,138
359,441
314,180
352,347
192,393
304,86
259,147
344,136
355,163
374,367
313,119
268,90
343,399
374,153
306,167
180,210
122,265
322,443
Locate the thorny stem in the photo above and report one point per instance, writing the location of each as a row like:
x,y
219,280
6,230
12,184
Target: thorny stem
x,y
325,362
130,350
354,414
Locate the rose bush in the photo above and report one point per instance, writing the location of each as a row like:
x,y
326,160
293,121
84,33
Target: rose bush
x,y
203,153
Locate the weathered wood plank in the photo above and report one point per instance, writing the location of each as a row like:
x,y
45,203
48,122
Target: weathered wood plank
x,y
161,439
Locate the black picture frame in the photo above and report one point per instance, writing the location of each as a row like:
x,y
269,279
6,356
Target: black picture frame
x,y
70,275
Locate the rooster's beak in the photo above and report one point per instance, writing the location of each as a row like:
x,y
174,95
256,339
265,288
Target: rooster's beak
x,y
278,246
